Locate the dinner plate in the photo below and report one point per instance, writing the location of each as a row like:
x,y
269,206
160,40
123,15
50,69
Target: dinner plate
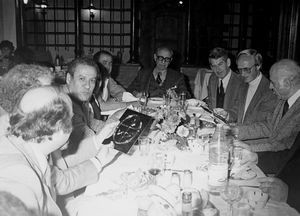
x,y
161,206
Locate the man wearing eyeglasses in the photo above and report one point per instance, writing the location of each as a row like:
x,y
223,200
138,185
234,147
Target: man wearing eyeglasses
x,y
223,84
256,99
280,128
160,79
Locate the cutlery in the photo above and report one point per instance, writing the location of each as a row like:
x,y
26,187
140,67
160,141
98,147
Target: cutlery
x,y
215,115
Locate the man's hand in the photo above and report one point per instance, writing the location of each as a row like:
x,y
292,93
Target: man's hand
x,y
274,187
107,131
105,155
221,112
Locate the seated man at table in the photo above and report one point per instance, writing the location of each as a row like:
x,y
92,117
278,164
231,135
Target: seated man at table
x,y
110,95
223,85
282,126
36,130
256,99
80,83
160,79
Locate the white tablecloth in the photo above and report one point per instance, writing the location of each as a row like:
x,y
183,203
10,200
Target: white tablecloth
x,y
108,197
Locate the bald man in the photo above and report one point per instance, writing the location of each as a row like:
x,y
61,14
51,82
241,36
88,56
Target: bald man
x,y
160,79
36,130
282,126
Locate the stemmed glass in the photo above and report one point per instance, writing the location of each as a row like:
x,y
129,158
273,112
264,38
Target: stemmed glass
x,y
231,193
156,164
143,100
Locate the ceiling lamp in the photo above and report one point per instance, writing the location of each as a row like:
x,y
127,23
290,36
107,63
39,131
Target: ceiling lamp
x,y
92,9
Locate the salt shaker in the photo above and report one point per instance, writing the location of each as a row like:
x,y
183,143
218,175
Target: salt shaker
x,y
187,208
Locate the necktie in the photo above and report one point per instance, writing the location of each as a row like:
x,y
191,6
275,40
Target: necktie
x,y
220,96
158,79
96,108
285,108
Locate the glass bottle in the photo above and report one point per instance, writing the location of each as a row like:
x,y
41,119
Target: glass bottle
x,y
219,152
187,208
57,66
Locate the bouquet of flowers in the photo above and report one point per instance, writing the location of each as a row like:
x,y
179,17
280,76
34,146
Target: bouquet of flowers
x,y
173,123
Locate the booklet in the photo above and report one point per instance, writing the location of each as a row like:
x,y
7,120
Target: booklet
x,y
132,125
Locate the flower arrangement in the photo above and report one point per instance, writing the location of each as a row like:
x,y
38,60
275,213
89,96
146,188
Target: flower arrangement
x,y
173,122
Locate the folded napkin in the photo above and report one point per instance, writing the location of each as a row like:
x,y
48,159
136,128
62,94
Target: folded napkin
x,y
243,161
128,97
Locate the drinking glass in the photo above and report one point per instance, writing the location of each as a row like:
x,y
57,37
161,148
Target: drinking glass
x,y
231,193
156,164
143,100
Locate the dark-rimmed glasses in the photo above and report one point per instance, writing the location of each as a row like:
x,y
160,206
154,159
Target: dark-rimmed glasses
x,y
164,59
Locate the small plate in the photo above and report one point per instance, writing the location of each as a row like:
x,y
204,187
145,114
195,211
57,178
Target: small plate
x,y
246,174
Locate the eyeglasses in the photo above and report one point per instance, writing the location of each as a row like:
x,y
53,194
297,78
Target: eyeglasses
x,y
246,70
164,59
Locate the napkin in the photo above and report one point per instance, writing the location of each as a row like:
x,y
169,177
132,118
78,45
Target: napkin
x,y
243,162
128,97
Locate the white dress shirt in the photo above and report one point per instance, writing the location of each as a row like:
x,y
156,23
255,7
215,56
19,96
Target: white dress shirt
x,y
253,85
293,98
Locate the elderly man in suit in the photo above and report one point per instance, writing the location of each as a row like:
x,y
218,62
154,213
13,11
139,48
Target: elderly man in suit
x,y
256,99
159,80
282,126
223,85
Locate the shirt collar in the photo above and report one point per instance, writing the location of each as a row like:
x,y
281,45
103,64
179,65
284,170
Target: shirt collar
x,y
163,74
256,81
225,80
293,98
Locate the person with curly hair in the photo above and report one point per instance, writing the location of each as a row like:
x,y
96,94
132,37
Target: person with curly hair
x,y
18,80
36,130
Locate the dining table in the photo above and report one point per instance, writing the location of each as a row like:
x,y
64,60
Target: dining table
x,y
126,187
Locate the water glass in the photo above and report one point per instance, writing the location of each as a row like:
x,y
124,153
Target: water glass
x,y
187,179
144,146
167,99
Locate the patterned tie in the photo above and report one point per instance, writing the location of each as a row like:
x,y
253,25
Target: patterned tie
x,y
158,79
285,108
220,96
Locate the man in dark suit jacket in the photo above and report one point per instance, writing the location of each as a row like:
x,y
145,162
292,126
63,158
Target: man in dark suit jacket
x,y
223,85
158,80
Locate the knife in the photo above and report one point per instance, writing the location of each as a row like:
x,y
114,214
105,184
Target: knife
x,y
220,118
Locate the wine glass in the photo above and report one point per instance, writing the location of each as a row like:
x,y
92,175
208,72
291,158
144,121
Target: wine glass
x,y
231,193
143,100
156,164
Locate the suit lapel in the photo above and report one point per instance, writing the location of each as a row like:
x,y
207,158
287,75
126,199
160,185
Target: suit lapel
x,y
257,96
289,114
231,88
214,87
244,90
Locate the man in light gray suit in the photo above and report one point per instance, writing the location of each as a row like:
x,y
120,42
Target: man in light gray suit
x,y
282,126
223,83
256,99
